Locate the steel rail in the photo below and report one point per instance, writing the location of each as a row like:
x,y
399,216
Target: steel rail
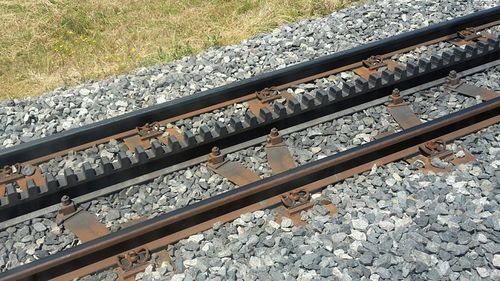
x,y
115,243
225,135
89,133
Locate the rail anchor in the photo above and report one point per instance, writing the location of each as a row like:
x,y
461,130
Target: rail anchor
x,y
296,201
268,94
374,62
437,149
132,262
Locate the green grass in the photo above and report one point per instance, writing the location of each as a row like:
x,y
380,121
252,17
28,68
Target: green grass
x,y
52,43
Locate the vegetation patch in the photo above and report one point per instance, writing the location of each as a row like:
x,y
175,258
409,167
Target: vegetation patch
x,y
53,43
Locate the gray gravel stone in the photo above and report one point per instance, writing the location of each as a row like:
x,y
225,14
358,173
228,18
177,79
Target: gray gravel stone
x,y
438,163
39,227
496,261
360,224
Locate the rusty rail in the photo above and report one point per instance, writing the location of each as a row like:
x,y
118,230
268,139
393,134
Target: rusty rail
x,y
95,254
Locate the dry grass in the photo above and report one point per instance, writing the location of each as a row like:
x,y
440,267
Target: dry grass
x,y
51,43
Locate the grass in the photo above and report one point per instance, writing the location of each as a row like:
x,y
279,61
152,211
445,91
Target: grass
x,y
47,44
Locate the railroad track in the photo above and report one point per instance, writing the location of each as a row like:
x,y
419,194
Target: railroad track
x,y
138,240
155,146
159,149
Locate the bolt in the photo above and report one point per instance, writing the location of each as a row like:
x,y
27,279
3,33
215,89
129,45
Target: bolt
x,y
274,137
67,207
452,79
395,97
215,151
453,74
65,201
215,157
396,93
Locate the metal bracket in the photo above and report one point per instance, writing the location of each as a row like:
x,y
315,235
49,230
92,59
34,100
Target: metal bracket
x,y
468,35
401,111
374,62
296,201
149,131
83,224
278,155
372,65
454,84
233,171
10,173
437,148
263,99
293,203
268,94
132,262
144,134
